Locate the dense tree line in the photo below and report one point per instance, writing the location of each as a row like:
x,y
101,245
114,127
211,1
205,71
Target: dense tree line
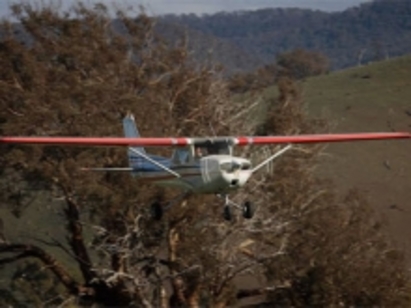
x,y
78,76
370,32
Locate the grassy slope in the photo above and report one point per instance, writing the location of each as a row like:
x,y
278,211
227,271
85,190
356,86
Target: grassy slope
x,y
370,98
43,220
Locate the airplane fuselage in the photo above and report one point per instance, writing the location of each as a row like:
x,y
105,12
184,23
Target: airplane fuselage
x,y
211,174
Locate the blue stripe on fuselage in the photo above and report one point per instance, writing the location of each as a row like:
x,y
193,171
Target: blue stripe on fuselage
x,y
139,163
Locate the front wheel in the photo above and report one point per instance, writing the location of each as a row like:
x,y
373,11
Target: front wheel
x,y
248,210
156,211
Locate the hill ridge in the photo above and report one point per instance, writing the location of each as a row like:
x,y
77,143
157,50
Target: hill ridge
x,y
369,32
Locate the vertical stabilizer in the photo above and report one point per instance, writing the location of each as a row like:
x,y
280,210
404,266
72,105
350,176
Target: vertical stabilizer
x,y
131,131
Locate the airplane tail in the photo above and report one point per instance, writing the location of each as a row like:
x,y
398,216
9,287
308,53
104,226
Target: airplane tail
x,y
131,131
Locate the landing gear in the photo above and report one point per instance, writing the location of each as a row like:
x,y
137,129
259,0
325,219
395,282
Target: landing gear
x,y
227,213
247,208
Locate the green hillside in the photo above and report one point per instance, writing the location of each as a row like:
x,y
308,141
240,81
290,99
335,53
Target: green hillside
x,y
379,85
375,97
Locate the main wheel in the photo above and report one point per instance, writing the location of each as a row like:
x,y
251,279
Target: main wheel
x,y
227,213
248,210
156,210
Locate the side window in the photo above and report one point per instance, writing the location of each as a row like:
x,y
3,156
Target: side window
x,y
201,151
182,156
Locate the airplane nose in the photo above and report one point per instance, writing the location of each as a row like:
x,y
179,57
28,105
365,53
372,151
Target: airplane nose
x,y
236,180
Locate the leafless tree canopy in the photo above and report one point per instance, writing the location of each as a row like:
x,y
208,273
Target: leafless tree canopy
x,y
78,74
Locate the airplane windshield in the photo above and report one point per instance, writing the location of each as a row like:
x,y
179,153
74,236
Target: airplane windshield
x,y
205,147
201,151
219,149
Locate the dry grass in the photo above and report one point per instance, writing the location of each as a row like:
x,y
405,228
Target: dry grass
x,y
370,98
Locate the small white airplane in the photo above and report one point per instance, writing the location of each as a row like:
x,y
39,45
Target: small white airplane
x,y
198,165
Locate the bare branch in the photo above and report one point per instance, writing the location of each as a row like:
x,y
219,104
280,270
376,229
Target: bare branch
x,y
76,236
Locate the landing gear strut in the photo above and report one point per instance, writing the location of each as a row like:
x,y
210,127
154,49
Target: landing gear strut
x,y
247,208
227,213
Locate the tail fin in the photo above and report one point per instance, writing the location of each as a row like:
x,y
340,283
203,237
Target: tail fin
x,y
130,131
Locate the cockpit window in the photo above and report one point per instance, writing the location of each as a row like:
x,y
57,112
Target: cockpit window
x,y
180,156
183,155
200,152
219,149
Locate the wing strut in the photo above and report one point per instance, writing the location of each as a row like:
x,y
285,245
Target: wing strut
x,y
135,151
265,162
115,169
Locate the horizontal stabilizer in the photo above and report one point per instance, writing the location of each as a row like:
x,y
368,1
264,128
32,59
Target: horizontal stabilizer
x,y
118,169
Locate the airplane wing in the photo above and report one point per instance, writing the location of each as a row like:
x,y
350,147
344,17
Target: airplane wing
x,y
98,141
321,138
181,141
